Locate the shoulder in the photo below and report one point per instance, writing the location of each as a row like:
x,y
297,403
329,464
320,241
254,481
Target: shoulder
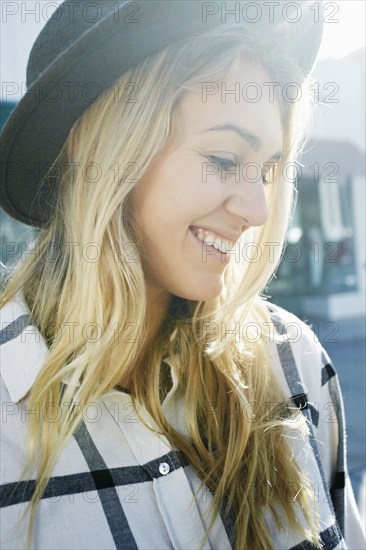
x,y
23,349
298,337
290,326
298,354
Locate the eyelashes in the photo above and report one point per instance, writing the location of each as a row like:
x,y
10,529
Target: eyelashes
x,y
227,164
223,162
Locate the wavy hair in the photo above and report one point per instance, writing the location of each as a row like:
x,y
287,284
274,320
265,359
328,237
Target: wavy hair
x,y
239,451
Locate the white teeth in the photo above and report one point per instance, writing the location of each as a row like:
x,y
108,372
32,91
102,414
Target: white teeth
x,y
223,247
217,243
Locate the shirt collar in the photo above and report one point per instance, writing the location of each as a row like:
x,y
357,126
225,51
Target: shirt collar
x,y
23,350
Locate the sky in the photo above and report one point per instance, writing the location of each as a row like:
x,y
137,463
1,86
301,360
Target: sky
x,y
348,33
344,31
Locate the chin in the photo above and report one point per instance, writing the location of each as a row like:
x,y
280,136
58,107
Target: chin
x,y
201,295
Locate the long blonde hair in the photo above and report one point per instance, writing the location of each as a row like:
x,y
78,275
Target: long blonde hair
x,y
221,377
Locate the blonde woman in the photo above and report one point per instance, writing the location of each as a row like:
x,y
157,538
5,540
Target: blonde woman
x,y
151,396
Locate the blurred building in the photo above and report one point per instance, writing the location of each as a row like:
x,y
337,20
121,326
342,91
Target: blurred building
x,y
322,274
15,236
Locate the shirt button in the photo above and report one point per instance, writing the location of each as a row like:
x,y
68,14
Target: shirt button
x,y
164,468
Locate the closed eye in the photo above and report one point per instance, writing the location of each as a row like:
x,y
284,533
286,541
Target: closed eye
x,y
227,164
224,163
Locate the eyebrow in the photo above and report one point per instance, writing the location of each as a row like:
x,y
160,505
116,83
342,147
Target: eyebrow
x,y
254,141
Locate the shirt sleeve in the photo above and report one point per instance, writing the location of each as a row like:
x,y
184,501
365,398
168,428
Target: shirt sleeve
x,y
333,446
308,368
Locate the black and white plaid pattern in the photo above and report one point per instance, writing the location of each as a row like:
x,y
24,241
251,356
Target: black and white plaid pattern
x,y
119,485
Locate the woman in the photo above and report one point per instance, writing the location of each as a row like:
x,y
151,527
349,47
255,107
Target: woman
x,y
151,394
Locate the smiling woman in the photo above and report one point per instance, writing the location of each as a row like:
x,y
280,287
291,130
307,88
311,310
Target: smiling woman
x,y
179,389
200,194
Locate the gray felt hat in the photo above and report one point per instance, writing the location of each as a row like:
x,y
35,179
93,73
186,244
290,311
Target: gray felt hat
x,y
89,45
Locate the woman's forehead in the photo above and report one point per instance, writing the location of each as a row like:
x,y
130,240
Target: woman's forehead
x,y
240,105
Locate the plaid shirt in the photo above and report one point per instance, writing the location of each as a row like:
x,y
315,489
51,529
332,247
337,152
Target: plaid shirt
x,y
117,484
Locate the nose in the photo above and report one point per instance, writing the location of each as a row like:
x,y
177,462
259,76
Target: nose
x,y
248,200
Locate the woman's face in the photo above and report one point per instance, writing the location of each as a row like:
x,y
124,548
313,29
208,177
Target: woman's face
x,y
185,187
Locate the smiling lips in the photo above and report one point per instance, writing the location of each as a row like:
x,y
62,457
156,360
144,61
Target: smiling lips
x,y
213,239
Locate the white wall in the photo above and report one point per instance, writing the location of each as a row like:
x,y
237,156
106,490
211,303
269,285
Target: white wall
x,y
341,80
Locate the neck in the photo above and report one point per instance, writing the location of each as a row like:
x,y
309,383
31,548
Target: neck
x,y
157,307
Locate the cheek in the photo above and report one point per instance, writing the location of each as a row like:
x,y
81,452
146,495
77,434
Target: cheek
x,y
190,192
175,194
